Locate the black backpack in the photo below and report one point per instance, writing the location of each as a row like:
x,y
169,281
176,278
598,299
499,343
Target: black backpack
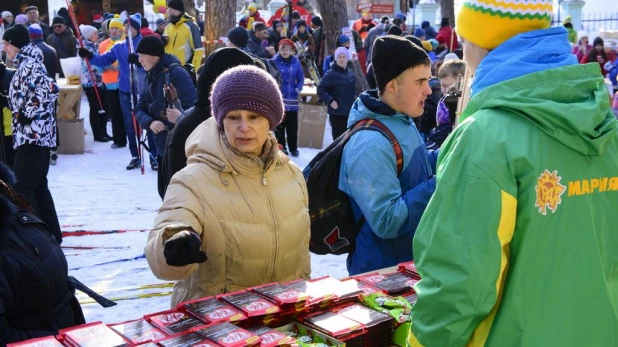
x,y
333,228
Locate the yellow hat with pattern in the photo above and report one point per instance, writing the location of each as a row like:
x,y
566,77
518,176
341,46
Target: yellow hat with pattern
x,y
488,23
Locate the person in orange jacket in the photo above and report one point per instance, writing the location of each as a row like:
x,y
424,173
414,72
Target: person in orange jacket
x,y
363,22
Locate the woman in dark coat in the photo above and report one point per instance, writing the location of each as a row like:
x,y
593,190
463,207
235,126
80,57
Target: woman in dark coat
x,y
337,91
35,297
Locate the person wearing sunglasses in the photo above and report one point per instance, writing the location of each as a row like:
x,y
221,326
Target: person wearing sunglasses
x,y
63,41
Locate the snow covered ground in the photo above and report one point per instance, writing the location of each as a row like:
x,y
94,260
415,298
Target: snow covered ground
x,y
94,191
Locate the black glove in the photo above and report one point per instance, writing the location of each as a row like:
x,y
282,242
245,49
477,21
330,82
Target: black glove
x,y
184,249
134,59
84,53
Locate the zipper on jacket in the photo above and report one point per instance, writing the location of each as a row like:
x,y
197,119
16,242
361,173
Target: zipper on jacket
x,y
274,218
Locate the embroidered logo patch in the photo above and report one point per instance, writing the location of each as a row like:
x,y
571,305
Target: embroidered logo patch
x,y
549,192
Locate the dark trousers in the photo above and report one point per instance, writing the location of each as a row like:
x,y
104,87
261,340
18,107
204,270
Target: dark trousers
x,y
7,152
338,124
98,121
112,107
30,166
288,127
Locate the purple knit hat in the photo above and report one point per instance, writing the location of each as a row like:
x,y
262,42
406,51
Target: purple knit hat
x,y
247,87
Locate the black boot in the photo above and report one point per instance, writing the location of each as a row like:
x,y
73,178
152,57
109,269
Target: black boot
x,y
154,165
134,164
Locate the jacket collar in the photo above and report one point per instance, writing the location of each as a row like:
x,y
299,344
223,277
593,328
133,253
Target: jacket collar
x,y
206,145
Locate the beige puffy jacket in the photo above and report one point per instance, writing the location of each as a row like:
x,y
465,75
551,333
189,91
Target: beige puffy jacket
x,y
254,225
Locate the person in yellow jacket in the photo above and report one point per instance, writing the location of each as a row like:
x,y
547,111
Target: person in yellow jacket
x,y
182,36
237,215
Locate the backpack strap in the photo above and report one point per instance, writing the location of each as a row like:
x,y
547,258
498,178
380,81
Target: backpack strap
x,y
375,125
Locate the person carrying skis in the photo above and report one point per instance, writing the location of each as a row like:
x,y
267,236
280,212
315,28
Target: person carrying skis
x,y
120,53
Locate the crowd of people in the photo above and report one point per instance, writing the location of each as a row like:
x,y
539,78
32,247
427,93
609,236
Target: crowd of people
x,y
489,209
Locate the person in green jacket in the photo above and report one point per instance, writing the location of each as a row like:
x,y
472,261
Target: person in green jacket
x,y
572,32
519,243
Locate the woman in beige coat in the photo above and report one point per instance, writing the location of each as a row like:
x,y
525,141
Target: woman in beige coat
x,y
237,215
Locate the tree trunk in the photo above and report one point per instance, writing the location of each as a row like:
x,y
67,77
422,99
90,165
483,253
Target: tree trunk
x,y
189,7
219,18
447,10
404,5
334,16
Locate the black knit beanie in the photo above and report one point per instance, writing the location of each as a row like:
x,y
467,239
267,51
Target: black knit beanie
x,y
151,45
58,20
17,35
392,55
395,30
415,40
177,5
239,36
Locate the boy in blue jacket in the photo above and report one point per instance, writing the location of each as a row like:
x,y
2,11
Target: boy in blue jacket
x,y
392,205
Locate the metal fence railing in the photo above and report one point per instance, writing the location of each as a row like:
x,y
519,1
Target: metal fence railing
x,y
592,21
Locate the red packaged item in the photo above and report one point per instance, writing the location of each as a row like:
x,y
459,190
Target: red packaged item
x,y
409,269
319,290
48,341
229,335
187,339
367,288
270,337
281,294
249,303
391,283
174,322
95,334
363,315
138,331
211,310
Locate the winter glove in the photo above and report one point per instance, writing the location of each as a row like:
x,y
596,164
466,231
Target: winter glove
x,y
134,59
184,249
84,53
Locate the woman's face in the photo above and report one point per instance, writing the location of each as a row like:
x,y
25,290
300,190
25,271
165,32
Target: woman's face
x,y
598,48
584,40
95,37
246,131
342,60
473,55
285,51
302,29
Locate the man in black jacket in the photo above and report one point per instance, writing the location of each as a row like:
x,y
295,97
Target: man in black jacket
x,y
36,298
49,53
257,37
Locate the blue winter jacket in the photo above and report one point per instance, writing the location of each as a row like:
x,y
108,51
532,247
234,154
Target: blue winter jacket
x,y
392,205
152,103
340,85
120,53
292,81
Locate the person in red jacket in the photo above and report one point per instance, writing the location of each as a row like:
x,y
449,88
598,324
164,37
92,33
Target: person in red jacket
x,y
145,29
254,16
597,55
449,34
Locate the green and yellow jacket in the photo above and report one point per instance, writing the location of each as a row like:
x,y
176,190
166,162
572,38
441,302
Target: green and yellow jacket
x,y
519,244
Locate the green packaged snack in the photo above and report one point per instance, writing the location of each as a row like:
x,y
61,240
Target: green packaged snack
x,y
397,307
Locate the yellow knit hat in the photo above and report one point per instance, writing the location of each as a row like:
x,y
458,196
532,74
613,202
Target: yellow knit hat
x,y
488,23
116,23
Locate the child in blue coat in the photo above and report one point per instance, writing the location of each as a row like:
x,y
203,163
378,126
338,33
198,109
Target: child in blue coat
x,y
292,81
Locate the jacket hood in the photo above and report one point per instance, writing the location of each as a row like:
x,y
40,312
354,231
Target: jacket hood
x,y
165,60
205,145
29,52
525,74
217,63
185,18
368,105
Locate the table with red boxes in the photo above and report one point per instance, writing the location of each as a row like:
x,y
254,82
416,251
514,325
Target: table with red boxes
x,y
367,310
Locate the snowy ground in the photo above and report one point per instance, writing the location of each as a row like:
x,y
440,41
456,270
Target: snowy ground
x,y
94,191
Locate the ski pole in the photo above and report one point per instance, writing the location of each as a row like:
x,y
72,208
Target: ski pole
x,y
138,129
129,289
128,297
81,44
99,232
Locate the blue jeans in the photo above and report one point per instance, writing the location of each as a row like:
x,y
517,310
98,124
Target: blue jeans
x,y
127,115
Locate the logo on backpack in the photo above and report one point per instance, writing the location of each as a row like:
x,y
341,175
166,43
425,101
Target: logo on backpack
x,y
333,226
334,240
